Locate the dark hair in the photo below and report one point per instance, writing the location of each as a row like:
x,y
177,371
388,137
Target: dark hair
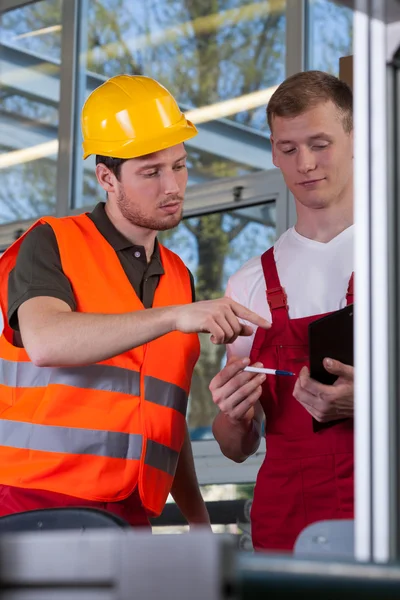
x,y
305,90
114,164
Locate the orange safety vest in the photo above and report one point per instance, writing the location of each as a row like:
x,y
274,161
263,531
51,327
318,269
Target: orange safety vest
x,y
97,431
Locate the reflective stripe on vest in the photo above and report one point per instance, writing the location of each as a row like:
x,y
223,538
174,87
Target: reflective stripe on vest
x,y
73,440
165,394
94,377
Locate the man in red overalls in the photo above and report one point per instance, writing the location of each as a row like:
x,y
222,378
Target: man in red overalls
x,y
307,474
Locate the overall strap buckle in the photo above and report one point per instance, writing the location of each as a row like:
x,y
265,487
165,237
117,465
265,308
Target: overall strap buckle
x,y
276,298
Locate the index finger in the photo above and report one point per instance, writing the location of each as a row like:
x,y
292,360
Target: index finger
x,y
249,315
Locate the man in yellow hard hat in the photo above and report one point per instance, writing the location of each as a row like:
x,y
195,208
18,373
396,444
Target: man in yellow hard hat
x,y
100,335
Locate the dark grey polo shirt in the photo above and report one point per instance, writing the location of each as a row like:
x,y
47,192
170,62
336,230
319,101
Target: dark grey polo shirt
x,y
38,270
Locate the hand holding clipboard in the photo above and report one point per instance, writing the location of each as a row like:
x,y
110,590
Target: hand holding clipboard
x,y
331,337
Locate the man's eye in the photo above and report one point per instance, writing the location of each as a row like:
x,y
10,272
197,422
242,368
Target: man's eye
x,y
289,151
179,167
151,174
320,146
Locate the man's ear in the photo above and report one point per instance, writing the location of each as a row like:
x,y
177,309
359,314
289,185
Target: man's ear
x,y
275,160
105,177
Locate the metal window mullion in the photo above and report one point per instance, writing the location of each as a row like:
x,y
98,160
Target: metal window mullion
x,y
295,36
295,61
285,209
393,71
362,267
67,105
394,173
392,45
379,290
6,5
80,96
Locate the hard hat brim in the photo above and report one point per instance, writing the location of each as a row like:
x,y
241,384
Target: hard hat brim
x,y
181,132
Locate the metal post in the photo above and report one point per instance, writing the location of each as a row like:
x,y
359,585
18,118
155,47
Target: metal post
x,y
382,550
377,350
296,61
362,267
80,96
393,181
71,27
295,36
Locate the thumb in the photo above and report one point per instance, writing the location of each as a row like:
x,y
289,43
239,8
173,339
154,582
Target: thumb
x,y
338,368
246,330
304,375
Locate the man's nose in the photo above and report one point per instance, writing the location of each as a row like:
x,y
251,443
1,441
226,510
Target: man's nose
x,y
305,160
170,182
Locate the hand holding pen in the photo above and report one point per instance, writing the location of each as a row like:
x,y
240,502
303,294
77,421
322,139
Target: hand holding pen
x,y
237,387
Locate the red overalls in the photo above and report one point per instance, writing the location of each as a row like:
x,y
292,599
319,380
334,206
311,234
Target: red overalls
x,y
306,476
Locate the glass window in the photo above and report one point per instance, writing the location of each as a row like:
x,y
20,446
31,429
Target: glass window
x,y
30,54
221,65
229,508
330,35
214,246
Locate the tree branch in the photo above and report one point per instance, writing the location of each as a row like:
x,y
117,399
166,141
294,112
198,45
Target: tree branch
x,y
236,230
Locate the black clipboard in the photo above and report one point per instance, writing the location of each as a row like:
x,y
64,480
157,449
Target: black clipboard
x,y
331,336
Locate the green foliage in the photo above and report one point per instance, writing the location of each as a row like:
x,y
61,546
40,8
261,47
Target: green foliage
x,y
245,491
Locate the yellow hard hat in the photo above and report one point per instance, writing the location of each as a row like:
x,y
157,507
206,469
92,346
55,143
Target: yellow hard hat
x,y
130,116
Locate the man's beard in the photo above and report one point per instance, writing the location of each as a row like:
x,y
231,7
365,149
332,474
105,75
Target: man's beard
x,y
132,214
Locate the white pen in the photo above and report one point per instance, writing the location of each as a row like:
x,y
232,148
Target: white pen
x,y
267,371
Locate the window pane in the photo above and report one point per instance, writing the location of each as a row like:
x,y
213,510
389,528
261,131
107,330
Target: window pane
x,y
213,247
205,56
30,49
229,507
330,28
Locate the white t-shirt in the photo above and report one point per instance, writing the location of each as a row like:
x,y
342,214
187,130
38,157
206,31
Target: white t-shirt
x,y
315,276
